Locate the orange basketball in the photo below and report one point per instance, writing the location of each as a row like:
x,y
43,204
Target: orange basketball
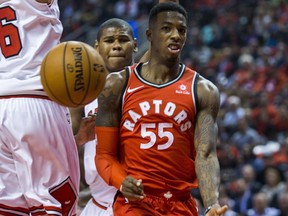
x,y
73,74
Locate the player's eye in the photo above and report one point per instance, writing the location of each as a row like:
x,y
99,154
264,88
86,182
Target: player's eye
x,y
182,31
166,28
109,41
124,40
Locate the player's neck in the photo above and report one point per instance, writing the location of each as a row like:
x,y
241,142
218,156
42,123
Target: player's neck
x,y
159,74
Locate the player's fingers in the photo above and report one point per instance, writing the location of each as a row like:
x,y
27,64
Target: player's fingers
x,y
132,186
88,121
132,196
93,115
222,210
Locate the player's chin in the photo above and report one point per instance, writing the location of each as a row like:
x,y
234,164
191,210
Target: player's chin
x,y
116,65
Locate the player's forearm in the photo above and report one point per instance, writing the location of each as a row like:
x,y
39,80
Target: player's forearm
x,y
208,175
110,170
106,158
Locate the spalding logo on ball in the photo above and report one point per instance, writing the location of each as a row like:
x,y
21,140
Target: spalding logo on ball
x,y
73,74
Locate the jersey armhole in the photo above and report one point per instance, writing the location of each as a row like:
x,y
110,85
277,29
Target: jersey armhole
x,y
195,92
127,70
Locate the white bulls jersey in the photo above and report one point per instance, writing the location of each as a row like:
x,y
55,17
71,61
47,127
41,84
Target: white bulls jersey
x,y
38,154
102,193
25,39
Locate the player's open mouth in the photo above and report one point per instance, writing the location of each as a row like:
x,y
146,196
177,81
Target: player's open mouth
x,y
174,48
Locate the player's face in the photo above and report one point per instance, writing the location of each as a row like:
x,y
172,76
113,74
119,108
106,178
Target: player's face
x,y
168,34
116,46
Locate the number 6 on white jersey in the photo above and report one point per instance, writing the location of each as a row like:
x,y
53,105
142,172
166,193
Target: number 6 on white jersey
x,y
152,135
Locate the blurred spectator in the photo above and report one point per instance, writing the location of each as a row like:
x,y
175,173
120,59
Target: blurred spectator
x,y
228,157
249,175
283,203
275,201
126,9
280,158
248,157
226,68
233,113
246,74
225,200
245,135
201,53
273,183
243,196
260,207
88,15
264,117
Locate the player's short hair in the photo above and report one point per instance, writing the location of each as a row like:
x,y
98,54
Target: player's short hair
x,y
164,7
114,23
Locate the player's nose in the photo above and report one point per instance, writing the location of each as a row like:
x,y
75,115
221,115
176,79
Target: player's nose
x,y
117,45
175,35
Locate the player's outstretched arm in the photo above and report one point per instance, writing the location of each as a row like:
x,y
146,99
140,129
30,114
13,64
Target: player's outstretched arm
x,y
107,130
206,132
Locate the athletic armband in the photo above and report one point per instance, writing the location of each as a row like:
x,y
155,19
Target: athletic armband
x,y
106,159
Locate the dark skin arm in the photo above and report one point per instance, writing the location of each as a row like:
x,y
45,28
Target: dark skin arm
x,y
83,127
206,132
109,102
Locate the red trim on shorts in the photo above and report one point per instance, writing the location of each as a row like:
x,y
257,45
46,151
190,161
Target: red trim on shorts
x,y
98,204
12,211
50,210
35,210
25,96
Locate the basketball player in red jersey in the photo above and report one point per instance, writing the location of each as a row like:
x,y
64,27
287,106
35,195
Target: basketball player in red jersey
x,y
38,155
163,141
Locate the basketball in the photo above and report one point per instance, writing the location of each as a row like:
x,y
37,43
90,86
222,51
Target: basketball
x,y
73,74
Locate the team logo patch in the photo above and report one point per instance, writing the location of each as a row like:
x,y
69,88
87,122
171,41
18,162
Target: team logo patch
x,y
182,89
168,195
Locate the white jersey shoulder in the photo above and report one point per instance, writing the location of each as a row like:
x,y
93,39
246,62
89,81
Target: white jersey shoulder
x,y
29,30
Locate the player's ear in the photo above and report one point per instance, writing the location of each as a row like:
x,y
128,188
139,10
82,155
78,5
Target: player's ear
x,y
148,34
135,45
96,45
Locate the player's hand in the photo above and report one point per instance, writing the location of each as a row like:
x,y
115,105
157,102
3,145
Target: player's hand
x,y
132,189
217,210
86,130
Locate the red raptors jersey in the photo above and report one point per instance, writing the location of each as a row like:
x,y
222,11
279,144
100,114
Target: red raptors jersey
x,y
157,130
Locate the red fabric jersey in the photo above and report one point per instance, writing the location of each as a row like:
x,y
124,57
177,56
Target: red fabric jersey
x,y
157,130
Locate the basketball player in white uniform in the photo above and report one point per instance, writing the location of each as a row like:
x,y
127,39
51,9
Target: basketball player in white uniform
x,y
116,44
38,155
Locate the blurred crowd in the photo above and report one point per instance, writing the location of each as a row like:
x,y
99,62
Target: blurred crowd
x,y
241,46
